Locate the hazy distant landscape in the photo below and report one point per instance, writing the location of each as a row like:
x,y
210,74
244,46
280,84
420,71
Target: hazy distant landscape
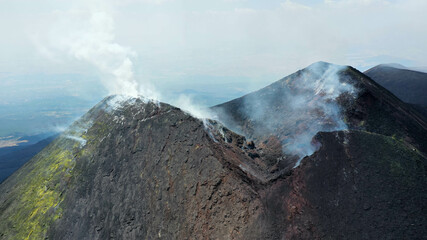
x,y
229,119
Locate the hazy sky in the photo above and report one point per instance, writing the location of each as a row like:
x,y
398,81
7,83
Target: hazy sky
x,y
159,46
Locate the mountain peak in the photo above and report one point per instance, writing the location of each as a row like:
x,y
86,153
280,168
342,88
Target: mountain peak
x,y
113,102
392,65
138,169
407,84
321,64
321,97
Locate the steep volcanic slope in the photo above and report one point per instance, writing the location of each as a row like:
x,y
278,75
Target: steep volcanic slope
x,y
408,85
134,169
358,185
321,97
140,171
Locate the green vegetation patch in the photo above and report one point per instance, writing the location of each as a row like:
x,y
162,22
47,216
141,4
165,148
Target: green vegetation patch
x,y
402,161
34,203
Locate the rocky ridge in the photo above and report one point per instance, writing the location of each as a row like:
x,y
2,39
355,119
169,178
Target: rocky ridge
x,y
133,168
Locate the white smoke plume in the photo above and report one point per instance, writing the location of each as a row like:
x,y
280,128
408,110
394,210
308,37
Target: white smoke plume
x,y
77,139
86,33
295,108
312,107
316,105
187,104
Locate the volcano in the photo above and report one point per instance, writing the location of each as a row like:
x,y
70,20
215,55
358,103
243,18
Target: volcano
x,y
321,97
325,153
407,84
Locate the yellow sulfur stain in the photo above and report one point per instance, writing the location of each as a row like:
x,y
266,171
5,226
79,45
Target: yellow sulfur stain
x,y
40,195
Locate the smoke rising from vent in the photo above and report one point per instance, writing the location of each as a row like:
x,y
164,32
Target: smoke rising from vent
x,y
186,103
293,109
77,139
86,33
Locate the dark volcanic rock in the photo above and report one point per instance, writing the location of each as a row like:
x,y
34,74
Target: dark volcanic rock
x,y
358,185
134,169
146,170
408,85
379,111
370,107
156,176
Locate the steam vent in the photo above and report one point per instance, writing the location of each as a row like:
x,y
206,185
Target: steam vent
x,y
325,153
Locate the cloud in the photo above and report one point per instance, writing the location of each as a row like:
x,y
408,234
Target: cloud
x,y
245,10
356,2
165,43
290,5
87,33
155,2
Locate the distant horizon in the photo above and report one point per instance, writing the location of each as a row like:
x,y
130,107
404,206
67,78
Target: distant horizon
x,y
49,114
94,91
158,47
60,57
